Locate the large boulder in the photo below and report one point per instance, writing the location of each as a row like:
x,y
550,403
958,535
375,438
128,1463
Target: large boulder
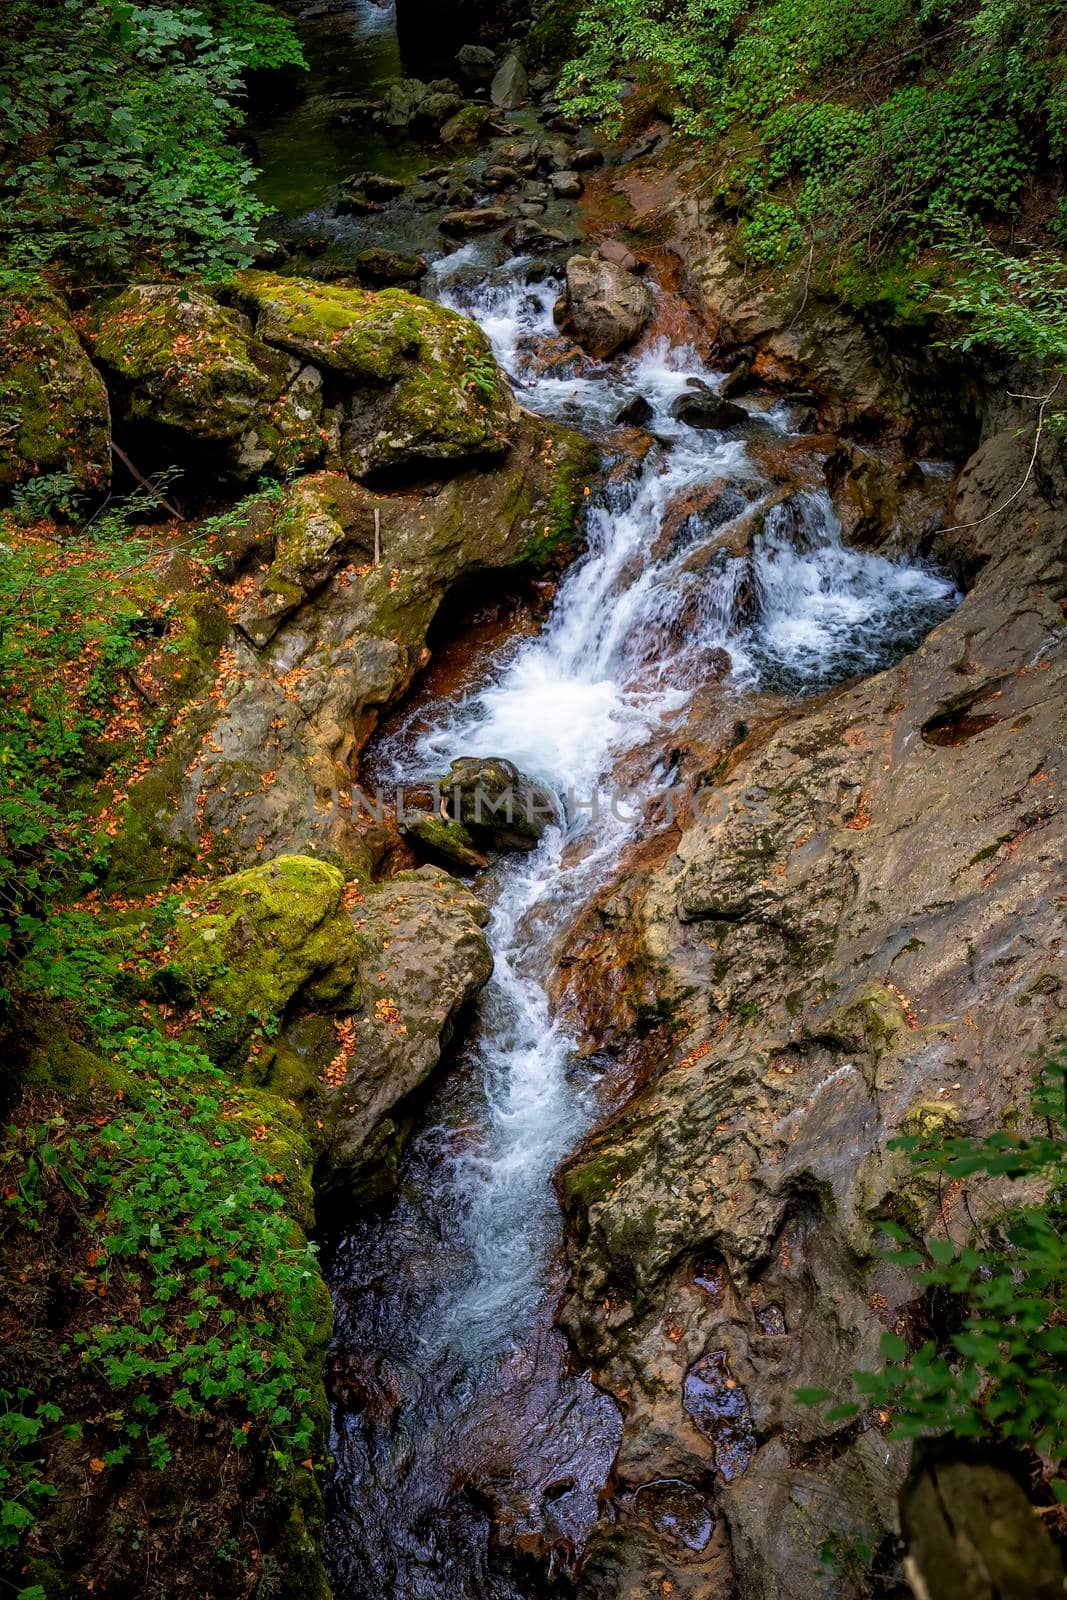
x,y
338,996
421,381
56,418
476,65
605,308
189,369
510,87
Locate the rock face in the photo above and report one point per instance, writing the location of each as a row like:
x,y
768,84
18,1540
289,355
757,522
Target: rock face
x,y
605,307
853,939
510,87
337,997
307,641
57,418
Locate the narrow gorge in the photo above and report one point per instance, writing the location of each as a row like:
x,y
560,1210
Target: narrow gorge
x,y
533,858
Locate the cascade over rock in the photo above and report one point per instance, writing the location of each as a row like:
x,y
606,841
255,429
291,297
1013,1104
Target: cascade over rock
x,y
829,942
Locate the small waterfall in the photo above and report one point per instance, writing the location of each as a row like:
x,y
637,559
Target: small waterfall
x,y
750,589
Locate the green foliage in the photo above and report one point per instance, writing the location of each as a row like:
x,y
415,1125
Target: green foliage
x,y
996,1365
860,123
210,1294
24,1426
118,121
211,1287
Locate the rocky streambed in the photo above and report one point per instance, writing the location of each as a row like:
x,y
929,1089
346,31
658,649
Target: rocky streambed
x,y
762,596
713,1004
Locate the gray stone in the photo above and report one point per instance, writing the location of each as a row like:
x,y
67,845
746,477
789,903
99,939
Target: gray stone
x,y
605,308
567,185
510,87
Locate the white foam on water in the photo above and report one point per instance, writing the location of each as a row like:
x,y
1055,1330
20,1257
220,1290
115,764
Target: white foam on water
x,y
629,640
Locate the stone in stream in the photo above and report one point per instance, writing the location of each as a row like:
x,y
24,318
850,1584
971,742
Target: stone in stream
x,y
588,156
466,127
444,840
477,219
740,374
635,413
529,235
567,185
499,176
604,307
497,803
554,155
702,408
510,87
381,268
476,65
375,185
531,209
291,943
611,250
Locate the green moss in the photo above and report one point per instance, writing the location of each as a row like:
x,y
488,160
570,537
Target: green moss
x,y
54,415
263,937
466,126
185,361
444,395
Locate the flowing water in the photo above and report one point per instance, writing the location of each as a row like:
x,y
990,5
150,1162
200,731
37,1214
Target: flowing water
x,y
464,1443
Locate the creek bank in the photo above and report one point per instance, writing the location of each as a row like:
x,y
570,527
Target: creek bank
x,y
265,648
862,945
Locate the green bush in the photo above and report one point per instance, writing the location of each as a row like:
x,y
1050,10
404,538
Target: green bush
x,y
864,120
117,122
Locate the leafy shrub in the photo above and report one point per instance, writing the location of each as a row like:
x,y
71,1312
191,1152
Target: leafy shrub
x,y
117,121
866,120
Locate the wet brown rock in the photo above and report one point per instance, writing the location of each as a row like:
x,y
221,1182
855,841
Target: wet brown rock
x,y
852,935
316,640
605,307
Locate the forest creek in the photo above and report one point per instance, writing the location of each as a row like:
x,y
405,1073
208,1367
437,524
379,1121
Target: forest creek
x,y
532,750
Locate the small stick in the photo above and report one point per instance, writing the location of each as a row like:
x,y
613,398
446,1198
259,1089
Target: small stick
x,y
377,537
143,481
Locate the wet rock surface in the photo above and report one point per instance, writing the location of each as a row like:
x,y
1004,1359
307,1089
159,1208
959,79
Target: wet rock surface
x,y
312,640
606,307
835,952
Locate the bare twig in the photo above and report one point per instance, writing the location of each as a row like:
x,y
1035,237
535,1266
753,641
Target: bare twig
x,y
144,482
1045,400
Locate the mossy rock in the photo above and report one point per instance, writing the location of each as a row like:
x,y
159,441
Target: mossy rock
x,y
181,361
467,126
426,386
54,412
259,939
443,840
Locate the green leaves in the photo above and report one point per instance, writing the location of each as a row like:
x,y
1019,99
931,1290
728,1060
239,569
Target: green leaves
x,y
121,120
843,138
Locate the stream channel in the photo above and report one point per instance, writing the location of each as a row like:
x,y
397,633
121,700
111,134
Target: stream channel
x,y
471,1457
